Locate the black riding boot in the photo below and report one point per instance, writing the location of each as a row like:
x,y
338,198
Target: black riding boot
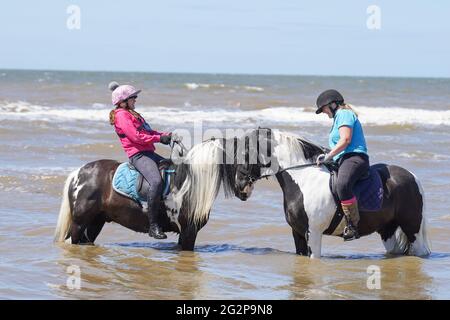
x,y
154,229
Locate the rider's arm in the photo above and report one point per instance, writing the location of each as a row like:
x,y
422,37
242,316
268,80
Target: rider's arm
x,y
124,121
160,133
345,137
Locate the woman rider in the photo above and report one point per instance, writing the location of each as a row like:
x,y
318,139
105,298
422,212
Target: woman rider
x,y
349,150
138,140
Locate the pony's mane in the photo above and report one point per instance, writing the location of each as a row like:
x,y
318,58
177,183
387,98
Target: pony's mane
x,y
204,169
299,147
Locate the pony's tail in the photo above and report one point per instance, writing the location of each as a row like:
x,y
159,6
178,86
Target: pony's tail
x,y
421,246
65,214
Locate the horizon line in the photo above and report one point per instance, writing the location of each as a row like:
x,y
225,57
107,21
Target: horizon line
x,y
228,73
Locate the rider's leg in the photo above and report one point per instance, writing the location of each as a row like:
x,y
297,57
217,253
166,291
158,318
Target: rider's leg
x,y
156,157
350,209
149,169
351,169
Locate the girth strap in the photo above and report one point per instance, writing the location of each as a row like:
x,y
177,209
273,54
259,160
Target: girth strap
x,y
339,214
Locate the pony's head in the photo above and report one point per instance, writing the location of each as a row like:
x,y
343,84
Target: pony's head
x,y
264,152
253,159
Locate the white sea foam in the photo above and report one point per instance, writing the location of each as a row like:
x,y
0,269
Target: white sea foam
x,y
252,88
191,86
195,86
402,116
372,116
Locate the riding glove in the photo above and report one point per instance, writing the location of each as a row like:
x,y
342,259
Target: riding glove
x,y
166,139
323,158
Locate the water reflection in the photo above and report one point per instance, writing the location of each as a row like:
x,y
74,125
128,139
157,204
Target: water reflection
x,y
401,278
405,278
111,272
161,271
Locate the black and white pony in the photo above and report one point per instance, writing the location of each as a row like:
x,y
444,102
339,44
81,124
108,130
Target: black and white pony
x,y
89,199
309,204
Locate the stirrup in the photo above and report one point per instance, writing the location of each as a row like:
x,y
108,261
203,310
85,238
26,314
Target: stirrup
x,y
350,233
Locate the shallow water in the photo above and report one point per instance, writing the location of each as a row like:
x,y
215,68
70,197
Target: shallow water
x,y
246,250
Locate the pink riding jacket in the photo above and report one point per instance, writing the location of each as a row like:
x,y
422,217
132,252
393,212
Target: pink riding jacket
x,y
132,133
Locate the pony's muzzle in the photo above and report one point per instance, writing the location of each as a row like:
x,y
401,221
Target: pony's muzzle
x,y
246,192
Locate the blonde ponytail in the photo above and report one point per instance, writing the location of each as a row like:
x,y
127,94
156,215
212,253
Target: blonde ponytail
x,y
112,116
348,107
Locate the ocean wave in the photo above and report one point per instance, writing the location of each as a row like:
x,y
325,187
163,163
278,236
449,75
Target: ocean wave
x,y
372,116
252,88
419,155
195,86
416,155
20,107
17,170
402,116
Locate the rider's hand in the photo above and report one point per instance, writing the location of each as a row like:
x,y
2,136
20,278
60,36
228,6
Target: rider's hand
x,y
165,139
324,157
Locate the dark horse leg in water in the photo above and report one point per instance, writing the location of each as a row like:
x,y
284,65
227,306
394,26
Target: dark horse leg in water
x,y
89,201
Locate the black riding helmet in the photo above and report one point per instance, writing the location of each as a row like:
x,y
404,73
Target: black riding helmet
x,y
327,97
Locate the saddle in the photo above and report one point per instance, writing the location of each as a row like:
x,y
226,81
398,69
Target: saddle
x,y
128,182
368,191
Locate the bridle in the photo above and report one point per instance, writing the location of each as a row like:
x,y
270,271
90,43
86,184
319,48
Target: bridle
x,y
251,178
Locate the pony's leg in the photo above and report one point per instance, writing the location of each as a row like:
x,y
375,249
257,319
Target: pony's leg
x,y
186,239
81,234
76,233
301,244
391,238
86,225
94,228
413,236
85,214
412,221
315,243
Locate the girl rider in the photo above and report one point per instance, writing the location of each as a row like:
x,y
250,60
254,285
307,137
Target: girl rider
x,y
138,140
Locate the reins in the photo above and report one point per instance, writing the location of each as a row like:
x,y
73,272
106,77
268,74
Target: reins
x,y
299,166
183,148
253,179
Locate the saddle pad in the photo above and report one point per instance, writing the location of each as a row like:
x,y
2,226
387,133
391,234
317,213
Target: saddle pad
x,y
369,192
128,182
125,180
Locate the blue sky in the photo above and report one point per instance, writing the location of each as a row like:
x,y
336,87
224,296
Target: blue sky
x,y
253,36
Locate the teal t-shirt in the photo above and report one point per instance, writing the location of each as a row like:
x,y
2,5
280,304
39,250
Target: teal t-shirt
x,y
346,117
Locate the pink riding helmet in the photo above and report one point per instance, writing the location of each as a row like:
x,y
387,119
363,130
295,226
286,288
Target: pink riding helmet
x,y
122,93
